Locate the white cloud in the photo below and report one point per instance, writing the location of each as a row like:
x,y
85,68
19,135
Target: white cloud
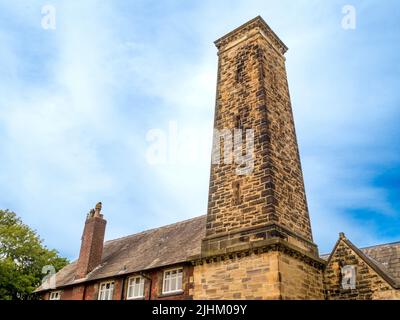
x,y
109,74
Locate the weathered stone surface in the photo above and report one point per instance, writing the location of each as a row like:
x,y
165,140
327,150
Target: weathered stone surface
x,y
272,276
251,277
247,211
252,86
372,280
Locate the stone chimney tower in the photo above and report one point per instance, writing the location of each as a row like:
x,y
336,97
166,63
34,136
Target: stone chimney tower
x,y
253,93
258,225
92,242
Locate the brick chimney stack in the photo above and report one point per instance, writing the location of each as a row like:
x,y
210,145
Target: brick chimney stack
x,y
92,242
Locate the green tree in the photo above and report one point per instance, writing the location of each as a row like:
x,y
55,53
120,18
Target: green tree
x,y
22,257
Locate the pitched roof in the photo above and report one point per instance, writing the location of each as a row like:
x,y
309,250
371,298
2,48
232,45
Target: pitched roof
x,y
383,259
177,242
142,251
388,255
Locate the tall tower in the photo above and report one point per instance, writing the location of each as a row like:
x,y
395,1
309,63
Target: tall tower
x,y
258,226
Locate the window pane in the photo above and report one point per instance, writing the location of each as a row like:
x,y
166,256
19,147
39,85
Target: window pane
x,y
106,291
104,294
55,295
130,291
172,280
179,282
173,285
166,284
136,287
141,288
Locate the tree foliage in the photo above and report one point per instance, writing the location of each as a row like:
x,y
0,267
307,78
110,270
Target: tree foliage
x,y
22,257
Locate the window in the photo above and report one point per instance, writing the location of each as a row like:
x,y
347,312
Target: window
x,y
135,288
55,295
172,281
106,290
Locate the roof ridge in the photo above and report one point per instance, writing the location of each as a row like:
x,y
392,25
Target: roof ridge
x,y
154,229
381,245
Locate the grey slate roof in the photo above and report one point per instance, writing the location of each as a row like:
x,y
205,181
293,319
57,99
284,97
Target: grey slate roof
x,y
388,255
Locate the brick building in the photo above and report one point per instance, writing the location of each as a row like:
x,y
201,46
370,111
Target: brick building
x,y
256,240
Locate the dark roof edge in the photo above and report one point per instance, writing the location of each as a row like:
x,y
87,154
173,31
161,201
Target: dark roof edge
x,y
387,277
368,247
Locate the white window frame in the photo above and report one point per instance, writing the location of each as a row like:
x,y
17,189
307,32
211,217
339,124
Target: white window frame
x,y
106,292
57,293
179,274
133,285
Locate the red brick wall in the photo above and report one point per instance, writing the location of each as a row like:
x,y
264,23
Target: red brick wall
x,y
90,291
157,284
92,246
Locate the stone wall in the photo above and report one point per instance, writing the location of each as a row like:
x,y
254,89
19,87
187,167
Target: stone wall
x,y
272,275
369,283
251,277
299,280
153,287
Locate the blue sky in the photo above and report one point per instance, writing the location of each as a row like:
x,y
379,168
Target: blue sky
x,y
77,103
